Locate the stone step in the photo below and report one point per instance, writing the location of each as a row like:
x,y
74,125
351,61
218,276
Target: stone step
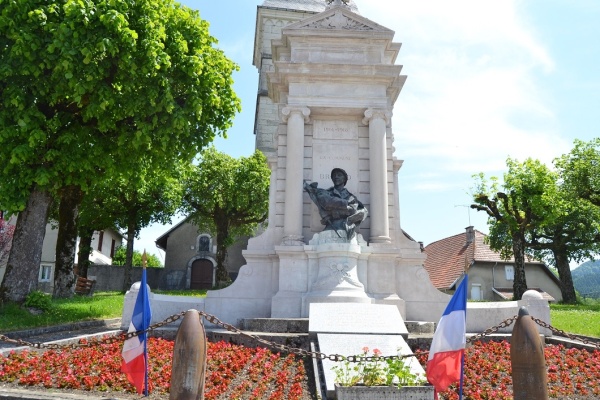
x,y
291,332
420,327
300,325
275,325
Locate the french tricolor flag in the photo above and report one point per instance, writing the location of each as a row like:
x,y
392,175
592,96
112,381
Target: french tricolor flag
x,y
446,355
135,354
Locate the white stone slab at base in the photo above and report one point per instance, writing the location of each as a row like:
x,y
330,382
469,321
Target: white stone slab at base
x,y
349,345
381,319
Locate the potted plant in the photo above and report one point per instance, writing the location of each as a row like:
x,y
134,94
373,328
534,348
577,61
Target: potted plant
x,y
379,378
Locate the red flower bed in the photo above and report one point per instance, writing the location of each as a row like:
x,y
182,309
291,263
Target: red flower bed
x,y
571,372
241,372
232,371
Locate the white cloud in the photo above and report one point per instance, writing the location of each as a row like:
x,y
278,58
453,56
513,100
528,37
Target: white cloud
x,y
471,98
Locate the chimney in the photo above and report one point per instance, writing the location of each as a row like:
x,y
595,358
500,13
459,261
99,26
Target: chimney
x,y
470,233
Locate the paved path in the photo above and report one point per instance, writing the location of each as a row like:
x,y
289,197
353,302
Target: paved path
x,y
29,394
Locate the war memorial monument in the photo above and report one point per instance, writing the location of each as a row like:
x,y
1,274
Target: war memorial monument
x,y
334,250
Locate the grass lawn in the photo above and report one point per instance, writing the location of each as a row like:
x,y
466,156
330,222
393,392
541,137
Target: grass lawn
x,y
101,305
582,319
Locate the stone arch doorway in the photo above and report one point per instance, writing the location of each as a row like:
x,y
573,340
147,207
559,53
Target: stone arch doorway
x,y
202,274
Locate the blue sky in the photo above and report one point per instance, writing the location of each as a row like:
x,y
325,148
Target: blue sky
x,y
487,80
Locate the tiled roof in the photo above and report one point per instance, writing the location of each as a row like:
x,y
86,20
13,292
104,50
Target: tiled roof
x,y
448,258
303,5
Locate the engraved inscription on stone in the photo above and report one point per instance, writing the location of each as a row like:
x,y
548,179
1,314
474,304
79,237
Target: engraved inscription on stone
x,y
335,130
328,155
342,318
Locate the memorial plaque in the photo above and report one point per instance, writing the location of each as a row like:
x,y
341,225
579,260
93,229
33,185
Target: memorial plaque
x,y
330,155
379,319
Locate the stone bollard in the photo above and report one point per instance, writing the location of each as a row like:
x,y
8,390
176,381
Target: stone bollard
x,y
189,359
529,373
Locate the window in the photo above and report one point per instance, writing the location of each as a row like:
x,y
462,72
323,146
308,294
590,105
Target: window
x,y
45,273
112,248
510,272
476,292
204,243
100,239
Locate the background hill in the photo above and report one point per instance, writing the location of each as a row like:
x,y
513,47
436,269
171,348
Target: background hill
x,y
586,279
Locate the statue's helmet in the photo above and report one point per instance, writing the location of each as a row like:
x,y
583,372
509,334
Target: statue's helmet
x,y
342,171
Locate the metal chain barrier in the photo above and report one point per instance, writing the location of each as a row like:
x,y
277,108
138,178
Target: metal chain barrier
x,y
279,347
565,334
504,324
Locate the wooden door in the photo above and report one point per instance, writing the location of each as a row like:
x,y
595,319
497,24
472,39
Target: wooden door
x,y
202,274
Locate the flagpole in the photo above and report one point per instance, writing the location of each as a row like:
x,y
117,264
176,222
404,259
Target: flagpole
x,y
462,376
462,358
144,263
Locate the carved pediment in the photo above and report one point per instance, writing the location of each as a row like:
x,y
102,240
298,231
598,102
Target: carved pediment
x,y
338,21
338,18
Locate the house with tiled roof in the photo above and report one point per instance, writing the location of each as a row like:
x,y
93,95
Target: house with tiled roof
x,y
490,276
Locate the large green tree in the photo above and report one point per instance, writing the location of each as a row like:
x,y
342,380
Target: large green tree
x,y
228,197
514,210
580,169
542,216
87,86
133,201
571,231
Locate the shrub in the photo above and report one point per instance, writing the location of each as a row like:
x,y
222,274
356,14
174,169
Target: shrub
x,y
39,300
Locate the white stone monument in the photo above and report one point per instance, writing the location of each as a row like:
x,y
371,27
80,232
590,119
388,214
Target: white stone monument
x,y
327,87
328,84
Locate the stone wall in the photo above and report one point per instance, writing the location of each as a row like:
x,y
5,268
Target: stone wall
x,y
110,277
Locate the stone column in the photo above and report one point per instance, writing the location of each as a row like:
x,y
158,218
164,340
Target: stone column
x,y
378,120
294,174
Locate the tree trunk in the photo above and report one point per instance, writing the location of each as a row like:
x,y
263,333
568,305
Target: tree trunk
x,y
222,237
566,279
85,249
520,282
6,236
66,242
127,280
23,266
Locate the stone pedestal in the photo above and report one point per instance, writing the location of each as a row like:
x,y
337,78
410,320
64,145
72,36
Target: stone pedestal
x,y
325,271
336,279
